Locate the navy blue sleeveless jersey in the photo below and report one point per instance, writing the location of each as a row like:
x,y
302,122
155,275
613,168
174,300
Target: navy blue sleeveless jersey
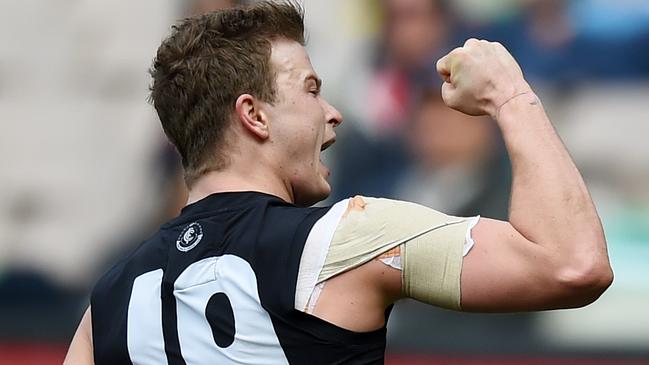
x,y
217,285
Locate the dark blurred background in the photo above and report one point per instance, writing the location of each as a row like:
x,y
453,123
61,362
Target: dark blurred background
x,y
86,173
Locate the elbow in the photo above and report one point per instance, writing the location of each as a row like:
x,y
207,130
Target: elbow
x,y
581,286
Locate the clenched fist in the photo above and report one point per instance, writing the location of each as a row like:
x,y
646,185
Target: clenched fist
x,y
480,77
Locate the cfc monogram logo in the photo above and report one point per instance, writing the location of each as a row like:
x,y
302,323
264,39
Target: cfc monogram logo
x,y
189,237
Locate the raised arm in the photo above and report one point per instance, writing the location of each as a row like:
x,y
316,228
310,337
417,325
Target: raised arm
x,y
552,251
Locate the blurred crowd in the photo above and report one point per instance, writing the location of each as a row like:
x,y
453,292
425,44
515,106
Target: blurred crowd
x,y
87,173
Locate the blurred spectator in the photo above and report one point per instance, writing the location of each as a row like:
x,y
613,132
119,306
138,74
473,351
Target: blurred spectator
x,y
413,35
460,167
561,42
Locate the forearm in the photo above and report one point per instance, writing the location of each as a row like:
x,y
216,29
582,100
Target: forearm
x,y
550,204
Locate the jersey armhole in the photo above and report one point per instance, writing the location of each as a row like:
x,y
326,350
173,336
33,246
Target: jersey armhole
x,y
315,253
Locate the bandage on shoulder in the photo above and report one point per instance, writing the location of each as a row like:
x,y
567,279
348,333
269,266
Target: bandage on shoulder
x,y
431,247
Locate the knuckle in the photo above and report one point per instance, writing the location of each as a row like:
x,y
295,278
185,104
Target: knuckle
x,y
453,56
459,51
471,41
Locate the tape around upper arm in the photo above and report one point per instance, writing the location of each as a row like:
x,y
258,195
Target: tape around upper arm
x,y
432,263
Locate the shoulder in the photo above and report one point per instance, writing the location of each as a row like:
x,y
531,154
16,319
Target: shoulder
x,y
147,256
364,215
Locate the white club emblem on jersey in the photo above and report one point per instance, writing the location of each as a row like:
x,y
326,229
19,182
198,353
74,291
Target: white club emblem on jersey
x,y
189,237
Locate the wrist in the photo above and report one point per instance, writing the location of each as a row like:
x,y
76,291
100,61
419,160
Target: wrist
x,y
505,94
519,102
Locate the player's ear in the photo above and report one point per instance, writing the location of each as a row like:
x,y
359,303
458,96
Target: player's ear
x,y
251,117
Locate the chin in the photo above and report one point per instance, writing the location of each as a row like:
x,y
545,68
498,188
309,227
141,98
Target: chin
x,y
313,195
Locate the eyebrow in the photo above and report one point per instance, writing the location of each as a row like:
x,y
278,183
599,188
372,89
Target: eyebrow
x,y
318,81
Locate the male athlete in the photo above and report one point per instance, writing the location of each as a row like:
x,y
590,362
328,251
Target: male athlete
x,y
249,274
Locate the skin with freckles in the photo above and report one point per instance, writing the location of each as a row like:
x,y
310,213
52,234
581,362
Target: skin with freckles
x,y
301,122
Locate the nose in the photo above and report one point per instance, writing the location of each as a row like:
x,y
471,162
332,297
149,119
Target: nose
x,y
333,115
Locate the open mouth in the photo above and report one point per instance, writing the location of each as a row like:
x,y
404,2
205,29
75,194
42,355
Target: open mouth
x,y
327,144
324,146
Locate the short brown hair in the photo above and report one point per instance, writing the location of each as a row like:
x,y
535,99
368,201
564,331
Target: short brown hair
x,y
205,64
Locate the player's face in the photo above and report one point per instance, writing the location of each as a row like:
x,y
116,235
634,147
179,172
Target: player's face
x,y
301,123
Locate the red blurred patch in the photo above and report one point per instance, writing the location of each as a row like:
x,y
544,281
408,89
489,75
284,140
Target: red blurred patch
x,y
400,359
32,353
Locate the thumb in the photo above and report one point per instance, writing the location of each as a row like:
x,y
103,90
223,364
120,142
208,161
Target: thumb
x,y
449,95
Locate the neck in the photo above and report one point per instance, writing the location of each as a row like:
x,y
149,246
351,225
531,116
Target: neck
x,y
230,180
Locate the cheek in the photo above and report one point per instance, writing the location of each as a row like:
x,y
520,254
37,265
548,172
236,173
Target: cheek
x,y
300,133
309,134
303,142
300,156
